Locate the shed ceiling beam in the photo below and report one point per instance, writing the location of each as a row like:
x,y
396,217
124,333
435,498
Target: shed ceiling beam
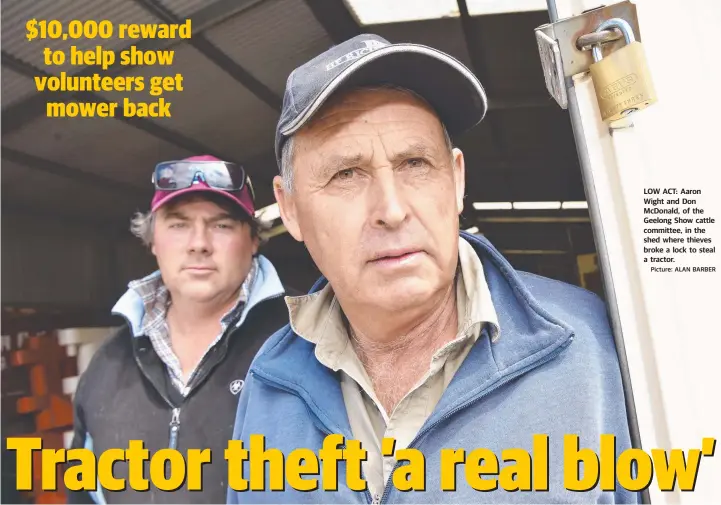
x,y
60,170
335,18
532,252
216,12
529,219
525,102
480,67
473,43
63,317
105,226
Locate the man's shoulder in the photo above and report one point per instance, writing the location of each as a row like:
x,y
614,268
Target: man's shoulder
x,y
539,282
118,339
562,294
115,350
556,296
584,311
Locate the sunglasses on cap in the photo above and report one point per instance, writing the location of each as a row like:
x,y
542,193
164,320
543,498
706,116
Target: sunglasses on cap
x,y
223,175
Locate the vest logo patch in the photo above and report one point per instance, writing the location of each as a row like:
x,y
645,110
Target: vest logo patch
x,y
236,386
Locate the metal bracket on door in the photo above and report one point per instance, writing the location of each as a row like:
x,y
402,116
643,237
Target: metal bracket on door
x,y
564,46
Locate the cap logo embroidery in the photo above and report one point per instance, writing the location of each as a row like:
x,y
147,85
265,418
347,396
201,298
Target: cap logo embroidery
x,y
370,45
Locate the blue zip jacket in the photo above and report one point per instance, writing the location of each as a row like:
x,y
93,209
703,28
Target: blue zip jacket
x,y
554,371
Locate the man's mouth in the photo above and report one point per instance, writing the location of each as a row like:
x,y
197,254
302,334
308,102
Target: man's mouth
x,y
198,268
394,257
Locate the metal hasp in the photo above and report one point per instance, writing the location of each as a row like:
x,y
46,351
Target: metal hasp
x,y
552,68
564,46
627,34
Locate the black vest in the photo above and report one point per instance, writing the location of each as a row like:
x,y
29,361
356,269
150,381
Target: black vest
x,y
126,394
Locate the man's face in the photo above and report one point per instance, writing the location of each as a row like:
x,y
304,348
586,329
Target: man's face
x,y
203,254
376,198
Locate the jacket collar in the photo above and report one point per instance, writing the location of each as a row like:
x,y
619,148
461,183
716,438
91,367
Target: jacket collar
x,y
266,284
531,335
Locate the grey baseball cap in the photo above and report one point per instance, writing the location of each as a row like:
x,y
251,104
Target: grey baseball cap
x,y
444,82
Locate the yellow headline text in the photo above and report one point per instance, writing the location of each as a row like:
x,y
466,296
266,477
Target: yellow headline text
x,y
259,468
104,29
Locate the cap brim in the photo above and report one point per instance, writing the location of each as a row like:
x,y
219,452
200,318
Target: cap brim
x,y
449,86
200,188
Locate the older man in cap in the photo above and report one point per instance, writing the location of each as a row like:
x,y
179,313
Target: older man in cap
x,y
416,332
172,375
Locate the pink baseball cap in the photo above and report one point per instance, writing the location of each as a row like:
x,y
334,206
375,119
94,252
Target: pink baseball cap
x,y
244,197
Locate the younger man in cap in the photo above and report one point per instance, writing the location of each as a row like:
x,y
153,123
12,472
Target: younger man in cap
x,y
172,375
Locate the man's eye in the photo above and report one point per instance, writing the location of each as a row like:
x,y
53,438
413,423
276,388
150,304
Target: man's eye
x,y
416,162
178,224
224,226
344,175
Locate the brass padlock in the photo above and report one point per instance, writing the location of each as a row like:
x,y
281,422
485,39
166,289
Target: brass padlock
x,y
622,79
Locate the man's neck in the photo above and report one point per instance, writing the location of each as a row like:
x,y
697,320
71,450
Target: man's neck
x,y
193,326
395,362
189,314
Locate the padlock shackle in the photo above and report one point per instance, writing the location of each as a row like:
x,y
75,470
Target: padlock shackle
x,y
619,23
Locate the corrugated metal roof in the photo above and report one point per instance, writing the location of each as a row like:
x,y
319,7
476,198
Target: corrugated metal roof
x,y
252,39
15,87
16,14
269,40
184,8
213,108
104,146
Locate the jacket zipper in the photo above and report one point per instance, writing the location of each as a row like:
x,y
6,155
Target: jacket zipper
x,y
319,424
173,439
174,428
175,418
471,401
375,500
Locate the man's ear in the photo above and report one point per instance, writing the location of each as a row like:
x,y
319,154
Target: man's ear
x,y
286,205
459,176
152,234
256,245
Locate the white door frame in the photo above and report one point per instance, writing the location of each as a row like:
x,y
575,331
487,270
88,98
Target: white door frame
x,y
664,323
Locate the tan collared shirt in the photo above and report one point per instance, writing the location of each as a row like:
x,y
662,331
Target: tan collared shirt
x,y
318,318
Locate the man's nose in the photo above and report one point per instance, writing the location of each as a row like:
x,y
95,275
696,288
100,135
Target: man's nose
x,y
199,240
389,208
